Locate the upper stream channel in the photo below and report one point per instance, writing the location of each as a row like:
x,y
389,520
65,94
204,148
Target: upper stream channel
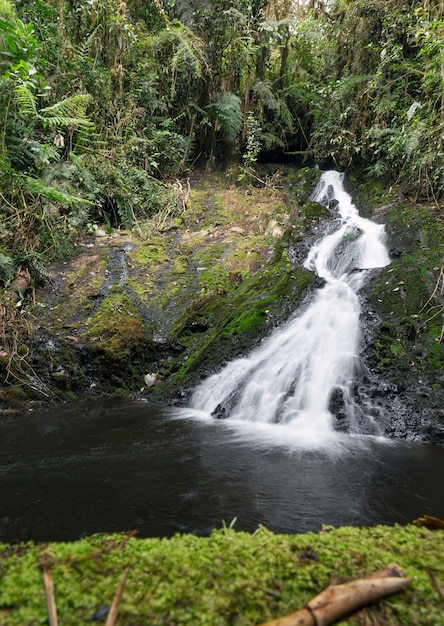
x,y
282,456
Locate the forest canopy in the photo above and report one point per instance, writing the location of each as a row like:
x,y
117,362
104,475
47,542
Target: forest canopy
x,y
107,104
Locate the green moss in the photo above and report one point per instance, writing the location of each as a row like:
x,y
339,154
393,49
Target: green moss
x,y
313,211
369,193
117,325
180,265
388,345
300,182
401,288
410,335
228,322
16,397
249,320
228,578
151,253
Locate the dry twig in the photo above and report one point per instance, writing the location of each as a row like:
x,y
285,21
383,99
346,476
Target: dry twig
x,y
111,620
49,593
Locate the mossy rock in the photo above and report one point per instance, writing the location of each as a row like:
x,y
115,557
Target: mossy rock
x,y
313,211
15,397
116,326
151,253
410,334
227,323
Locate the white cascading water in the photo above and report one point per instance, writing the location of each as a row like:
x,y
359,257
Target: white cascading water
x,y
291,377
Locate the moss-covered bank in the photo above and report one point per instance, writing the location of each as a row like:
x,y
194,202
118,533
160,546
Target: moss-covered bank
x,y
226,579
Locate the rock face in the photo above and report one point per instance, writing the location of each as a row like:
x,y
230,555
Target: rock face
x,y
153,315
403,348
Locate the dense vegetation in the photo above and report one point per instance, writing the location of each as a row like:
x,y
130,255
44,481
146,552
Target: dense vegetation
x,y
106,104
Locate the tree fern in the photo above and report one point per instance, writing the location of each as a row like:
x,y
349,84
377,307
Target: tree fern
x,y
229,115
263,91
285,116
186,52
189,54
273,102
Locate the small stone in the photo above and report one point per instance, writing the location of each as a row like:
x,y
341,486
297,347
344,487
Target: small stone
x,y
100,613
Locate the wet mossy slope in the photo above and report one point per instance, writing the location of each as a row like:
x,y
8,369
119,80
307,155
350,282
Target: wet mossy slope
x,y
201,287
226,579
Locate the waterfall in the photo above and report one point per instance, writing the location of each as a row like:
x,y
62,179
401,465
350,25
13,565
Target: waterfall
x,y
304,375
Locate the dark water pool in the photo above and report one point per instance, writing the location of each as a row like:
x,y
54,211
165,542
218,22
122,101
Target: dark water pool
x,y
120,466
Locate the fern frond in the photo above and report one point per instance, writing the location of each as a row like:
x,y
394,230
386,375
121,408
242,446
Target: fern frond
x,y
36,262
285,116
187,57
68,112
6,268
273,102
82,50
36,186
265,94
229,115
26,100
186,48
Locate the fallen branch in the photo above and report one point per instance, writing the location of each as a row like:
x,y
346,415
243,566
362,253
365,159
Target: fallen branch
x,y
337,601
427,521
436,584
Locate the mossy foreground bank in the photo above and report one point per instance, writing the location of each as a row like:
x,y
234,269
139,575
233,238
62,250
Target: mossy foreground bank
x,y
229,578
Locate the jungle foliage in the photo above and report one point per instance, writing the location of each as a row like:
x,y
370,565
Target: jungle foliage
x,y
107,104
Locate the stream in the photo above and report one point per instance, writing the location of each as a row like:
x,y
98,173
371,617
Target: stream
x,y
125,465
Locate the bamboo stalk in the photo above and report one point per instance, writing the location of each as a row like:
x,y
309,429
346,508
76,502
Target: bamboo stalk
x,y
337,601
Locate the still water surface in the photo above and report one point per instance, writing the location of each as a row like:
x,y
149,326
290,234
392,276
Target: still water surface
x,y
125,465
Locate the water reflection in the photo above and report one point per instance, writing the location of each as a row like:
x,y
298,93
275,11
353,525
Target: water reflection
x,y
125,465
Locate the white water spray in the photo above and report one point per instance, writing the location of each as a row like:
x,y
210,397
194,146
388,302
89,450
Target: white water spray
x,y
293,376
